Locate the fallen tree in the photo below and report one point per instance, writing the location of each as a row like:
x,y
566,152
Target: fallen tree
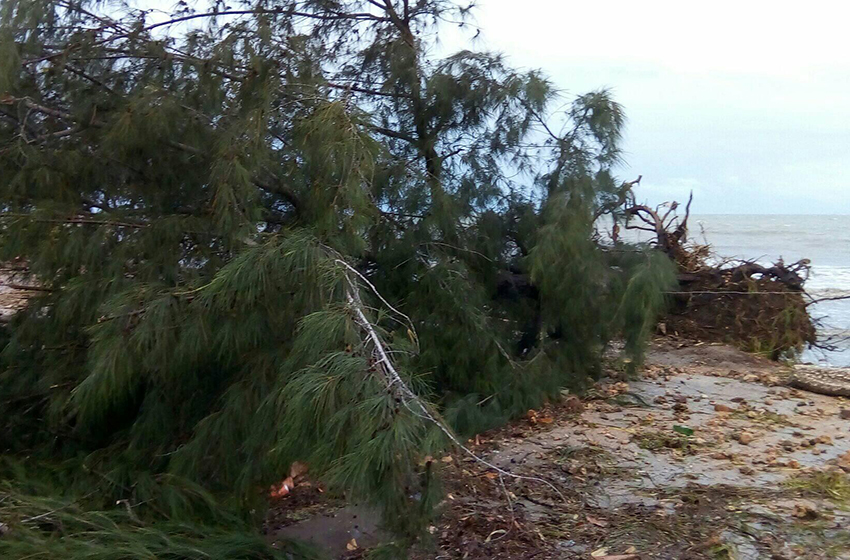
x,y
280,232
760,308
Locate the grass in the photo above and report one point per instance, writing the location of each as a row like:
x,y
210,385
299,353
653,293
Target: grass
x,y
659,440
583,452
768,418
722,551
596,460
833,486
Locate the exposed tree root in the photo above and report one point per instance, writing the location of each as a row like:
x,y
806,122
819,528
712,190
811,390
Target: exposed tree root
x,y
760,308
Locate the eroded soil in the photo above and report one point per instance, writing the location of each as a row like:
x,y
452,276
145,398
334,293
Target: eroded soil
x,y
708,456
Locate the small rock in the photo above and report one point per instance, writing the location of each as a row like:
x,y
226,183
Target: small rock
x,y
844,414
746,470
723,408
824,439
745,438
573,405
843,461
738,399
805,511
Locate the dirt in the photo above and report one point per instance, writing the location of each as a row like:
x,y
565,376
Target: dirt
x,y
707,456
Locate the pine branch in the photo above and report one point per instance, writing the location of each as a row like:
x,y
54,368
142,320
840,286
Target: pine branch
x,y
26,287
394,134
277,187
396,385
367,90
332,16
77,220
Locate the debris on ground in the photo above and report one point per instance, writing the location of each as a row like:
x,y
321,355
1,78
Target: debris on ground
x,y
745,468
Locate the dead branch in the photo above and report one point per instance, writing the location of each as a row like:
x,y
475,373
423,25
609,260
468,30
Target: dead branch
x,y
394,383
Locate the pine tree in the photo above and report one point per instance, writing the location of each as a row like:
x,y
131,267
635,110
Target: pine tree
x,y
233,212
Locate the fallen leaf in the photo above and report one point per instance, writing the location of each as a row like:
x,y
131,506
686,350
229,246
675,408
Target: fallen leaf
x,y
804,511
599,552
619,557
496,532
351,545
596,521
684,430
630,550
491,475
447,459
297,469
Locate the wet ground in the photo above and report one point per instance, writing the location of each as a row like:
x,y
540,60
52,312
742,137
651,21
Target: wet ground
x,y
708,456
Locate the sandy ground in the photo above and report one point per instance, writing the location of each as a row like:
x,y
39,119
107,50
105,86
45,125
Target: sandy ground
x,y
708,456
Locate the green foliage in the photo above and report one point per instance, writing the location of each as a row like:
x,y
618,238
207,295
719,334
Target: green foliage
x,y
189,197
51,527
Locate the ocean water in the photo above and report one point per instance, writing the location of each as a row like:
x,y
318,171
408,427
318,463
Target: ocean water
x,y
824,240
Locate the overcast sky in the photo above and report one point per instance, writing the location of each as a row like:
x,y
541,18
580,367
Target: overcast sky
x,y
745,102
